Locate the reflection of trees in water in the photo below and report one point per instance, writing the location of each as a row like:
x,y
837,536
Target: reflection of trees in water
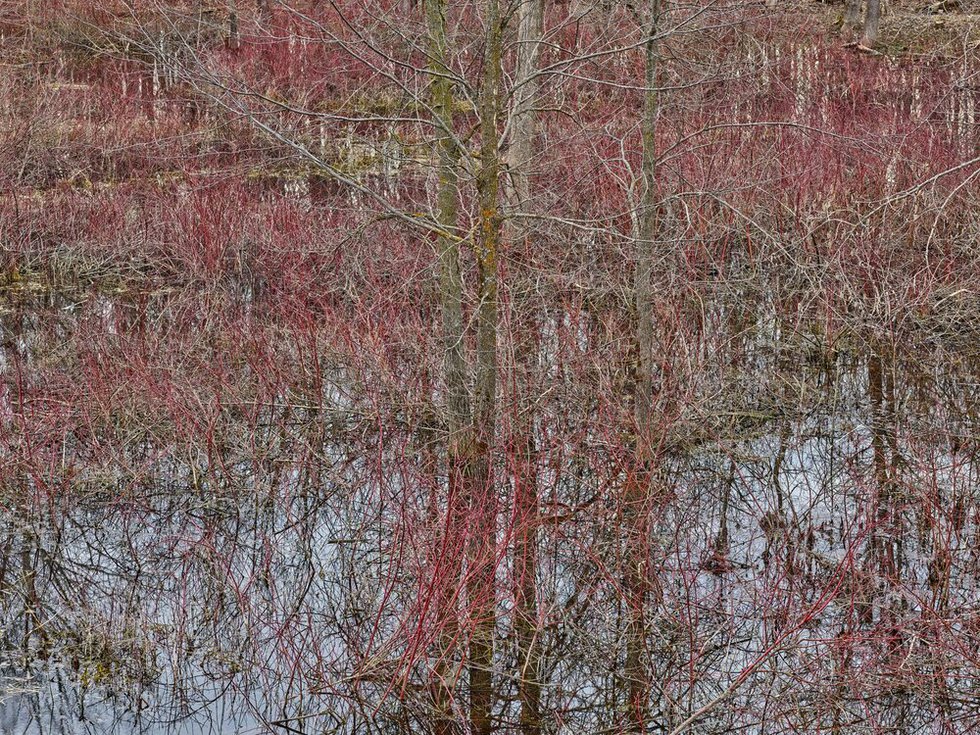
x,y
223,458
275,564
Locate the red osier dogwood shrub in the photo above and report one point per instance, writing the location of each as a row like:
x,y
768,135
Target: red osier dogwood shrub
x,y
487,367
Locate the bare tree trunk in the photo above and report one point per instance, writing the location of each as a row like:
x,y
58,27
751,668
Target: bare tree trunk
x,y
871,21
454,359
471,429
530,18
638,491
451,281
481,587
234,34
852,14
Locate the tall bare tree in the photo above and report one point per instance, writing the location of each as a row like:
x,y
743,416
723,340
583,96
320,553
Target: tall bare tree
x,y
639,488
481,572
530,30
442,96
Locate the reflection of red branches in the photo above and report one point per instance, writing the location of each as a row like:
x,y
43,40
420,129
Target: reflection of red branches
x,y
223,414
